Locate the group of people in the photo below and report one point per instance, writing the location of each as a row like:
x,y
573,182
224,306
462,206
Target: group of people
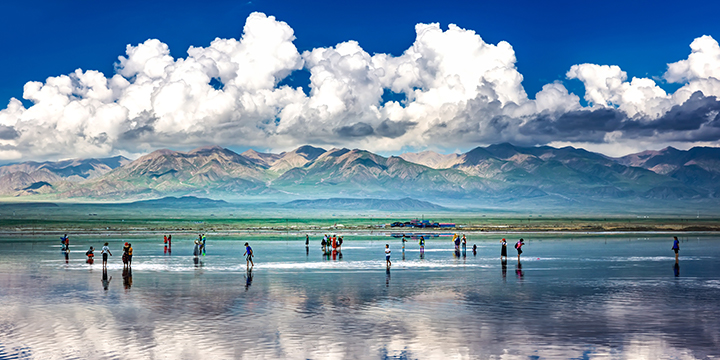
x,y
167,241
327,242
518,247
199,245
127,253
335,242
460,242
105,251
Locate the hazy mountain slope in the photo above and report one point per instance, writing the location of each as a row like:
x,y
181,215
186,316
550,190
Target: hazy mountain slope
x,y
263,159
296,158
404,204
200,171
71,170
432,159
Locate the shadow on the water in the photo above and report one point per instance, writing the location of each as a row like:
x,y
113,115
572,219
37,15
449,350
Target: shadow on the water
x,y
248,279
105,279
127,278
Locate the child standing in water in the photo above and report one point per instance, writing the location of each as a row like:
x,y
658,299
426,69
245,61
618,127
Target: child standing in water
x,y
518,246
422,245
403,242
464,242
90,255
105,251
249,255
387,255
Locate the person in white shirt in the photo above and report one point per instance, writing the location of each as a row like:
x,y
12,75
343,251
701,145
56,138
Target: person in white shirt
x,y
105,252
387,255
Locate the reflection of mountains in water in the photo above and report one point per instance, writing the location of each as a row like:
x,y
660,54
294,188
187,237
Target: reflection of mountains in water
x,y
495,173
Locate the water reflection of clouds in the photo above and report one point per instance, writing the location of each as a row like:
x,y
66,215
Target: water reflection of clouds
x,y
429,324
438,311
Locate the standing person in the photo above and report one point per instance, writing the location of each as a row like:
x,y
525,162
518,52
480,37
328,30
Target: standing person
x,y
464,242
323,243
422,245
196,250
125,257
130,253
519,246
307,240
65,241
105,251
503,249
165,240
457,243
340,241
249,255
203,244
169,244
403,242
90,255
676,248
387,255
474,249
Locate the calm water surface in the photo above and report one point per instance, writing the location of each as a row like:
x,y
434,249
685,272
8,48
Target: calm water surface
x,y
607,297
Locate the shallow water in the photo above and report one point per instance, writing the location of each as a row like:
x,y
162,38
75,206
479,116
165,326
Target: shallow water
x,y
608,297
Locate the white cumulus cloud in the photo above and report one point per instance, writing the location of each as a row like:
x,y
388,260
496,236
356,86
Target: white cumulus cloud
x,y
457,91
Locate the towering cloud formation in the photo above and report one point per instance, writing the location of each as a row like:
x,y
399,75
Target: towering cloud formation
x,y
457,91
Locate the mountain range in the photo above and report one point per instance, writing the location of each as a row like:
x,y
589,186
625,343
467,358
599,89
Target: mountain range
x,y
496,173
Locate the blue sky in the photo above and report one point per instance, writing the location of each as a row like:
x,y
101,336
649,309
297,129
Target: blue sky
x,y
49,38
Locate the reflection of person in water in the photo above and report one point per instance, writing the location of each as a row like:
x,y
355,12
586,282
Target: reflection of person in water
x,y
387,277
676,269
105,280
66,252
474,250
127,277
248,279
504,269
519,271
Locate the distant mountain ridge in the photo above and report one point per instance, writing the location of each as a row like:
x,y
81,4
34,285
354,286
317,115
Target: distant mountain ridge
x,y
496,173
37,177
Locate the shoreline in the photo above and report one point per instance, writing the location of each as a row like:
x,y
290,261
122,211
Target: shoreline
x,y
300,233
